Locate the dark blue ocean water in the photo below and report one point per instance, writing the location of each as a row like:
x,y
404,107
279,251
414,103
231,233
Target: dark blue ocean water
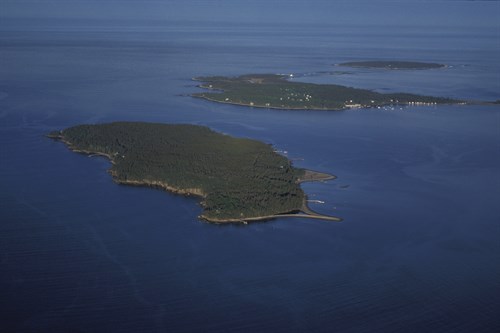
x,y
418,187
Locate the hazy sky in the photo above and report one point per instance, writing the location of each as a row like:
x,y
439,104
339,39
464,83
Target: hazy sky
x,y
318,11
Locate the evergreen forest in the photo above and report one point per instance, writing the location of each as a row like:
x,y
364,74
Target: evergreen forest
x,y
238,178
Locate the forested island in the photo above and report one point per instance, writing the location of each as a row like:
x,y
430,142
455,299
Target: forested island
x,y
277,91
388,64
238,179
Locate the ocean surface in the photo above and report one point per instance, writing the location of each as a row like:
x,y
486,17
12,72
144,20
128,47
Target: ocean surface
x,y
418,187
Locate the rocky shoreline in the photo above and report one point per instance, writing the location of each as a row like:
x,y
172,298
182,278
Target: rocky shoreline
x,y
305,211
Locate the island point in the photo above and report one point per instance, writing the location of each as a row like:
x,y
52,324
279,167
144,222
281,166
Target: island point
x,y
238,179
276,91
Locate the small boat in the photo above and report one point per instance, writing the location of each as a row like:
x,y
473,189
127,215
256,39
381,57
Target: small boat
x,y
316,201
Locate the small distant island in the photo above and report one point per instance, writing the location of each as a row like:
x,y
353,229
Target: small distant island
x,y
278,92
239,180
387,64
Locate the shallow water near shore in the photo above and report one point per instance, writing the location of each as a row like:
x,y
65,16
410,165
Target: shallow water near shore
x,y
417,187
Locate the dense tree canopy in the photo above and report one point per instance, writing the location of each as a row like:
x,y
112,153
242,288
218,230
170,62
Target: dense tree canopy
x,y
238,178
275,91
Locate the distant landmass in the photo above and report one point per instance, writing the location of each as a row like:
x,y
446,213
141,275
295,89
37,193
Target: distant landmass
x,y
277,91
238,179
392,64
